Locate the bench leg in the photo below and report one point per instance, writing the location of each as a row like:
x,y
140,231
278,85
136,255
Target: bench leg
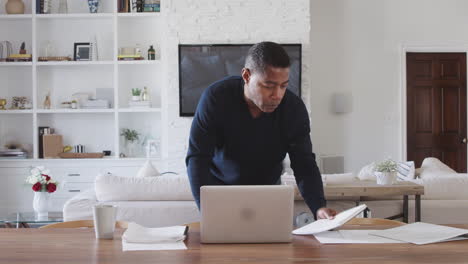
x,y
405,208
417,215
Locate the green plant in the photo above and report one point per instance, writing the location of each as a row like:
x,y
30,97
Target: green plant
x,y
136,91
130,134
386,166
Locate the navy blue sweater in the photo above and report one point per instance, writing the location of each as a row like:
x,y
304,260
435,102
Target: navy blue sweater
x,y
228,146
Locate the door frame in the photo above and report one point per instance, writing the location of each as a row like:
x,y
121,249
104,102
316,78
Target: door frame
x,y
421,47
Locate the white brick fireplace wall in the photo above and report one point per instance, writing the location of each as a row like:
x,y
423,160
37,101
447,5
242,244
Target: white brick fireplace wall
x,y
225,21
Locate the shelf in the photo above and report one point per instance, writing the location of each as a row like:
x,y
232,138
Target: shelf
x,y
139,62
139,110
22,16
142,14
11,64
6,112
106,158
73,111
73,63
74,16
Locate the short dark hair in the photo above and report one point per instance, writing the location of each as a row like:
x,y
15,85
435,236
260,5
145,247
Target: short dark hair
x,y
265,54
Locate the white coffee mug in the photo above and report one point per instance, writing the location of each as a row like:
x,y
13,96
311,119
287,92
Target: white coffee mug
x,y
104,221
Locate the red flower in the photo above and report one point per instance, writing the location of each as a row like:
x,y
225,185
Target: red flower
x,y
46,177
51,187
37,187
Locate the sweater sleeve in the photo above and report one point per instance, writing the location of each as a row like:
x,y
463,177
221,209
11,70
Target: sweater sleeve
x,y
306,172
202,144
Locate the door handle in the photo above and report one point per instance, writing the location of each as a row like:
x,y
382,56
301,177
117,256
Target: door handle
x,y
464,141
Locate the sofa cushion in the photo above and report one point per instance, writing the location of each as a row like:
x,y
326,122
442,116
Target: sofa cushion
x,y
162,188
445,188
339,178
433,167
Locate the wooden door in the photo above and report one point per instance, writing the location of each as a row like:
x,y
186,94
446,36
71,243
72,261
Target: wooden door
x,y
436,108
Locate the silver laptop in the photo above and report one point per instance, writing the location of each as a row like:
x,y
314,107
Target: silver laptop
x,y
246,213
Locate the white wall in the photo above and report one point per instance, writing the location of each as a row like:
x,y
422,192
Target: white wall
x,y
356,50
225,21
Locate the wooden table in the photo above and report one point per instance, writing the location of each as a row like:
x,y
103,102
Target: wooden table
x,y
79,246
361,190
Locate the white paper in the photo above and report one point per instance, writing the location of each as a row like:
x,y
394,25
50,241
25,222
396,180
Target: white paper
x,y
155,246
421,233
351,237
139,234
326,224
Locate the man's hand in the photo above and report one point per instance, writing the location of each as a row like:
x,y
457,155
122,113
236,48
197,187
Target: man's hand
x,y
326,213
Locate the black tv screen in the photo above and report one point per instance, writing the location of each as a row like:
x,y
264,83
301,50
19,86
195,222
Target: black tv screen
x,y
202,65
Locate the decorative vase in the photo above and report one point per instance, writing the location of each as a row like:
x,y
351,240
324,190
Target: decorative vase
x,y
14,7
135,98
131,148
93,6
386,178
41,204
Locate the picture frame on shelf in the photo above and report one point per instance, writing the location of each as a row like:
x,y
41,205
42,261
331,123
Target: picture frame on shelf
x,y
82,51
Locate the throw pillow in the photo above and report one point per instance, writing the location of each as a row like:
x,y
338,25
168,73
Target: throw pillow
x,y
148,170
367,172
406,170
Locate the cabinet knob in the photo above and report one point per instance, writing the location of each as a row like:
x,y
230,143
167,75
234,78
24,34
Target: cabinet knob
x,y
464,141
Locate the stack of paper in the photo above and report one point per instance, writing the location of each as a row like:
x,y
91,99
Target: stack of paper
x,y
138,237
326,224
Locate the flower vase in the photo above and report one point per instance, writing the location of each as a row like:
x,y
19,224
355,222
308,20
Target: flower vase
x,y
41,204
131,148
14,7
93,6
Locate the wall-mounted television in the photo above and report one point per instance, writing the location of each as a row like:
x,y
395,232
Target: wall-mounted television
x,y
203,64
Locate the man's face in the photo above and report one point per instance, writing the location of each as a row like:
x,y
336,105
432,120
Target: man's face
x,y
266,89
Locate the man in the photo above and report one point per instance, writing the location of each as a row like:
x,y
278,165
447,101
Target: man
x,y
244,126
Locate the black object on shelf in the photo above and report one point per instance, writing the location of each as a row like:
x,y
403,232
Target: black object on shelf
x,y
41,132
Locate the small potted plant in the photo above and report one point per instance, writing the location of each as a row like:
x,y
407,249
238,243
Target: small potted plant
x,y
136,92
386,172
131,137
74,104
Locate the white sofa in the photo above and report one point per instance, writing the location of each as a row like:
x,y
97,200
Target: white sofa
x,y
149,201
167,200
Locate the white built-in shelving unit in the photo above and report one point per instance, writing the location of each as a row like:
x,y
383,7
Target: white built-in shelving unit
x,y
97,129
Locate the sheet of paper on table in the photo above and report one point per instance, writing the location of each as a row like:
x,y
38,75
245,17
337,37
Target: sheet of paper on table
x,y
360,237
351,237
422,233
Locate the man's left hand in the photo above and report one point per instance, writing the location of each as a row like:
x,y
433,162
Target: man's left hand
x,y
326,213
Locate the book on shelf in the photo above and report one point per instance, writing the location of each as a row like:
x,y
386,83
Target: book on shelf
x,y
130,57
13,154
14,157
20,56
137,6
